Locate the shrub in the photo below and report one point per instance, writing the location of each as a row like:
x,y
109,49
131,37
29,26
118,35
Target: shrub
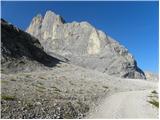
x,y
154,102
154,92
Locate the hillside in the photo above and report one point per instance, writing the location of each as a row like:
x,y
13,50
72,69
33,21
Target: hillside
x,y
67,91
22,52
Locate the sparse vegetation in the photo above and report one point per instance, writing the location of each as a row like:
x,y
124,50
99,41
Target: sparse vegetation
x,y
154,102
106,87
27,75
13,79
7,97
154,92
51,98
154,98
4,81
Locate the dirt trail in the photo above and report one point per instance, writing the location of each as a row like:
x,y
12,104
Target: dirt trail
x,y
132,104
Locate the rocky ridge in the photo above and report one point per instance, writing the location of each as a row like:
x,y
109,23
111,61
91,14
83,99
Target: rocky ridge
x,y
22,52
84,45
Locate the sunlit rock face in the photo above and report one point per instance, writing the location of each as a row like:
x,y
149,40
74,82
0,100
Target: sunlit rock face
x,y
151,76
84,45
35,25
94,43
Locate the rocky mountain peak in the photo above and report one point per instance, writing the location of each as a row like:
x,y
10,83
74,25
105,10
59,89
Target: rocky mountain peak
x,y
35,25
52,18
84,45
39,17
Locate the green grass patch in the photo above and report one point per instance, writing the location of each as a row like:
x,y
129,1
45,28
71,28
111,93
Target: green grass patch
x,y
4,81
9,98
154,92
154,102
153,96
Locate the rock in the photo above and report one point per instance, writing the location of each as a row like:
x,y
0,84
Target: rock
x,y
152,76
21,51
36,24
38,103
84,45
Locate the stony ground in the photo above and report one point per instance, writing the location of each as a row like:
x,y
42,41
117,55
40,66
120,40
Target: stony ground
x,y
49,94
66,91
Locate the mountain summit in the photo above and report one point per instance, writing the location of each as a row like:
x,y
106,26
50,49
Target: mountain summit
x,y
84,45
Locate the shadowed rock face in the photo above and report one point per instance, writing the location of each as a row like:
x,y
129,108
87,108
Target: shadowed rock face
x,y
21,50
84,45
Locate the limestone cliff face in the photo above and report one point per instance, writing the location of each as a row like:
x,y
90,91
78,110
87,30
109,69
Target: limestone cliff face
x,y
84,45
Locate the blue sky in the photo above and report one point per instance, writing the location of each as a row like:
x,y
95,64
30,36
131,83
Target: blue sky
x,y
133,24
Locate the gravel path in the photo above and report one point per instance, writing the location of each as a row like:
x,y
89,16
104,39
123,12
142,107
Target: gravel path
x,y
132,104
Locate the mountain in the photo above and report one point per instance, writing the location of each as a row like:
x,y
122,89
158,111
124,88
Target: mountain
x,y
22,52
151,76
84,45
35,85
